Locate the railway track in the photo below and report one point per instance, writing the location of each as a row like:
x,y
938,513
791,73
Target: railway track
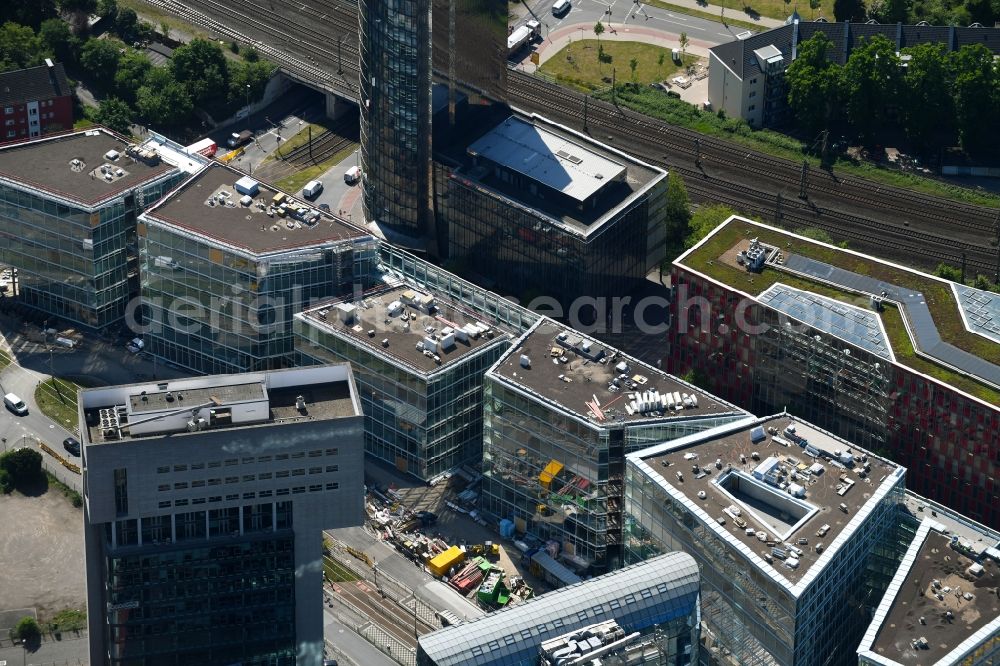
x,y
658,145
317,41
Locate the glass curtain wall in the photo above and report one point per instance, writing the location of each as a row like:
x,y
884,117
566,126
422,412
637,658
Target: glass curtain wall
x,y
74,263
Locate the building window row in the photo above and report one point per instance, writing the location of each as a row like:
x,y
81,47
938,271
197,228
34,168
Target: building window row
x,y
332,485
315,453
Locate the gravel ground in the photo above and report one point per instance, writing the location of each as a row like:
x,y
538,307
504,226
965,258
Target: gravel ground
x,y
41,554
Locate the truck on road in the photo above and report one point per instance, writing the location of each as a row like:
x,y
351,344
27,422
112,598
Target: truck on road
x,y
523,36
238,139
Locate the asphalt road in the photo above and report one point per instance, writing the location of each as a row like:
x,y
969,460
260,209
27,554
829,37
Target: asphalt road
x,y
624,13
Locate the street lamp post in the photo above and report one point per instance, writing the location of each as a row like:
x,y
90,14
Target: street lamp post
x,y
248,100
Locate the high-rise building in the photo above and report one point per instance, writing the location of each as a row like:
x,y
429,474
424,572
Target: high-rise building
x,y
68,207
419,359
227,261
941,607
898,361
648,611
783,519
406,47
561,412
204,502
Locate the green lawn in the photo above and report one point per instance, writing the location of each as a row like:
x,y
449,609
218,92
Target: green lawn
x,y
296,181
300,138
337,572
577,63
57,400
68,619
943,307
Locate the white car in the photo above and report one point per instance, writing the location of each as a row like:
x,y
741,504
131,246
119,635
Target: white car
x,y
135,345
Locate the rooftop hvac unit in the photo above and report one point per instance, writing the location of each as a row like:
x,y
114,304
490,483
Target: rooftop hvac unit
x,y
192,426
300,403
385,342
525,361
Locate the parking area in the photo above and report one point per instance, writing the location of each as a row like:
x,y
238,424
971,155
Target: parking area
x,y
41,554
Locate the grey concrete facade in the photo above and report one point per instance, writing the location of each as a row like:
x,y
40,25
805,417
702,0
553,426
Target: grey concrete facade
x,y
196,502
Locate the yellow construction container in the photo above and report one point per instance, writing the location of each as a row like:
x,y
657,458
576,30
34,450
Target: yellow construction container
x,y
443,562
550,472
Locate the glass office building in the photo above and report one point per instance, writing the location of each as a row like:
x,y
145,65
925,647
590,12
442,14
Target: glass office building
x,y
561,413
405,48
68,207
221,279
657,599
204,503
419,359
951,565
783,519
540,210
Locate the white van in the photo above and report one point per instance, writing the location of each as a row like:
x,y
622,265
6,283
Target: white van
x,y
560,7
312,188
15,404
352,175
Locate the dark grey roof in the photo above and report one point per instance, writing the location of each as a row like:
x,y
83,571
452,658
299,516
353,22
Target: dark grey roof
x,y
926,338
738,54
34,83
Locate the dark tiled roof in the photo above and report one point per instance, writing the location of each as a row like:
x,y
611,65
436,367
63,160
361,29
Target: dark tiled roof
x,y
738,54
34,83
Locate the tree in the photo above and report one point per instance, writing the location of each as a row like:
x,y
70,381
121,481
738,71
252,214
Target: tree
x,y
20,47
948,273
975,96
27,12
633,64
704,220
27,630
983,282
813,6
116,115
201,67
870,82
78,10
250,54
598,30
6,483
256,74
127,25
108,9
684,41
59,40
813,84
133,70
23,465
164,100
677,210
849,10
928,107
99,58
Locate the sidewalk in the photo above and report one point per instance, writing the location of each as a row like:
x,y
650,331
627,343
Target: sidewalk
x,y
731,12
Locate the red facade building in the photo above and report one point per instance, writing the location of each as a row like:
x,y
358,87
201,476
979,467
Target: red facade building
x,y
35,101
765,357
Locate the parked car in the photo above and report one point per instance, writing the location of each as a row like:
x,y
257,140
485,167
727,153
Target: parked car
x,y
352,175
135,345
15,404
312,189
238,139
72,444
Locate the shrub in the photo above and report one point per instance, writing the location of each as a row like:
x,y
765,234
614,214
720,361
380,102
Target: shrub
x,y
27,630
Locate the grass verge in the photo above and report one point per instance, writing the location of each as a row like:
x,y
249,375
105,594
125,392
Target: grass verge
x,y
57,400
5,359
578,63
300,138
676,112
55,484
336,572
296,181
68,619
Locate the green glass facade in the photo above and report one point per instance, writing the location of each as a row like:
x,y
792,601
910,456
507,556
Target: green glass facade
x,y
208,598
580,505
218,309
422,423
75,262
